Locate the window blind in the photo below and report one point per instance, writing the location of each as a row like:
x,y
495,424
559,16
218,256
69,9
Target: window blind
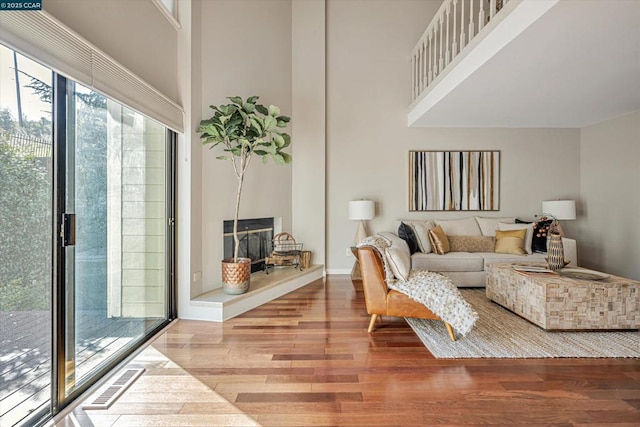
x,y
40,36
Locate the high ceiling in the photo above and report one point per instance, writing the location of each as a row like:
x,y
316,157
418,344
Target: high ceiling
x,y
577,65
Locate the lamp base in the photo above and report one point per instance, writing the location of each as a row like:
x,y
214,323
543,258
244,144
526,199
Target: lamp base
x,y
361,233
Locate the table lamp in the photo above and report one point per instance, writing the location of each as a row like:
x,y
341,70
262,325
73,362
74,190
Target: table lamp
x,y
560,210
361,210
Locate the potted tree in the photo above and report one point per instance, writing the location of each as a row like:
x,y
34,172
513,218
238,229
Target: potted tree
x,y
243,129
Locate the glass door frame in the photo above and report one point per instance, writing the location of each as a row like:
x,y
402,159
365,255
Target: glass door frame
x,y
62,129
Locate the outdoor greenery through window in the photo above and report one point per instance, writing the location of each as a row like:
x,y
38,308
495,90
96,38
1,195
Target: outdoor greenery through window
x,y
114,169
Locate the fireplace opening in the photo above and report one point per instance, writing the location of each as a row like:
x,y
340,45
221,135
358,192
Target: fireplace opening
x,y
255,237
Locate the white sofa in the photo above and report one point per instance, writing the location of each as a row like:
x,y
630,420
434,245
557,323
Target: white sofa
x,y
467,269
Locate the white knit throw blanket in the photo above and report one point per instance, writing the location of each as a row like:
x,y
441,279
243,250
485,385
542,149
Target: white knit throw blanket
x,y
436,291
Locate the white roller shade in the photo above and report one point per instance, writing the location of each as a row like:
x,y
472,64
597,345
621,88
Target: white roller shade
x,y
43,38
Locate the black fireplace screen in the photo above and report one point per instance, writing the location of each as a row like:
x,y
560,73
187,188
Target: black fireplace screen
x,y
255,240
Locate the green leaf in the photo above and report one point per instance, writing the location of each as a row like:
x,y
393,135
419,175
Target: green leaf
x,y
260,153
262,109
248,107
287,139
255,125
279,140
269,123
287,157
265,159
235,99
224,158
252,99
279,159
281,124
285,119
273,111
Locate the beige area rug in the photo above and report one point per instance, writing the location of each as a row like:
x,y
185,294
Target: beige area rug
x,y
501,334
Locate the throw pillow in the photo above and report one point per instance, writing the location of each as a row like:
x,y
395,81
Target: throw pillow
x,y
460,227
439,241
405,232
398,255
540,234
510,242
471,243
421,229
528,238
488,226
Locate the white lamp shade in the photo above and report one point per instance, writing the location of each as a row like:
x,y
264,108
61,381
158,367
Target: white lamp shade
x,y
361,210
561,209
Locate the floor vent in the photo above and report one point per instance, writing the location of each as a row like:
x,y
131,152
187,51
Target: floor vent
x,y
114,390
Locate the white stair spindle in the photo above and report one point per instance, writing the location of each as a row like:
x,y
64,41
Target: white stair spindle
x,y
430,76
424,60
447,57
471,27
463,36
454,47
481,16
441,64
413,77
435,49
492,8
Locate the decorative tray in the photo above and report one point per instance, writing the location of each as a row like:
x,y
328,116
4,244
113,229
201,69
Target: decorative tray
x,y
584,274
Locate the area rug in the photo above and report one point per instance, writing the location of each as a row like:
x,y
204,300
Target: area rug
x,y
501,334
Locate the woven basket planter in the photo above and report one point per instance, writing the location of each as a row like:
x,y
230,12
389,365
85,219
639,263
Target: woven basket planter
x,y
236,275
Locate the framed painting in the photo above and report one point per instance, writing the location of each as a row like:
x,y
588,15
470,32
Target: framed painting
x,y
454,180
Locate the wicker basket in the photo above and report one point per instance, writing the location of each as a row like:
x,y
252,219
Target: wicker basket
x,y
285,251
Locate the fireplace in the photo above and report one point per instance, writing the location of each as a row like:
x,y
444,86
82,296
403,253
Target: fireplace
x,y
255,240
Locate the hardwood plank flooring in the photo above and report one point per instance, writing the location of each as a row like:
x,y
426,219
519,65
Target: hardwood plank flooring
x,y
306,359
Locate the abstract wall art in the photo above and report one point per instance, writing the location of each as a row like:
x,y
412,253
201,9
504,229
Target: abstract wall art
x,y
454,180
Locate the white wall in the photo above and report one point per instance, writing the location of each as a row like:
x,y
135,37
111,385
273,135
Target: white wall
x,y
246,50
609,215
368,141
134,33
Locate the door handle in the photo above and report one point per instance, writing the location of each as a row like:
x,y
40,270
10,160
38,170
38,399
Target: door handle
x,y
68,229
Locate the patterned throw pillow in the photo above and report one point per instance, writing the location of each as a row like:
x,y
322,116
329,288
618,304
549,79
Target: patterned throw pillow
x,y
471,243
405,232
539,240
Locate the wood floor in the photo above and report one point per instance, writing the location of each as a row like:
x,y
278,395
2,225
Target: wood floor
x,y
306,359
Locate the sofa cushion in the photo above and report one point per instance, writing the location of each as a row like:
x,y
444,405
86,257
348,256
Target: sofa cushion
x,y
453,261
460,227
492,257
488,226
439,241
527,238
510,242
471,243
405,232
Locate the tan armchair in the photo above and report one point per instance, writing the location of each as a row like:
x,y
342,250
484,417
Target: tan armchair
x,y
382,301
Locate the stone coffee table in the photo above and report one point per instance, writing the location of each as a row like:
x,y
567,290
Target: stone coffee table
x,y
556,302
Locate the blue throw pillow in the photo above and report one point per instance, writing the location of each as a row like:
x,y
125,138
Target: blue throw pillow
x,y
405,232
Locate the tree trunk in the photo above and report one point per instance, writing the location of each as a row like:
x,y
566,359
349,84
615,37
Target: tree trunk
x,y
235,219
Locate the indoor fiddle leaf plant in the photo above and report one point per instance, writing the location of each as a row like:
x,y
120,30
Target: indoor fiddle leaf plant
x,y
244,129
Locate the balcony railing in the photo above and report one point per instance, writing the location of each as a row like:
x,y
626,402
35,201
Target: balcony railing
x,y
454,26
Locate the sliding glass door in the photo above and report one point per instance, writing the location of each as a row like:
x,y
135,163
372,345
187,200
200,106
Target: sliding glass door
x,y
116,221
86,223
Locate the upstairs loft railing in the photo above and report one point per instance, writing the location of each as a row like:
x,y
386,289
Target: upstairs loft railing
x,y
456,23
